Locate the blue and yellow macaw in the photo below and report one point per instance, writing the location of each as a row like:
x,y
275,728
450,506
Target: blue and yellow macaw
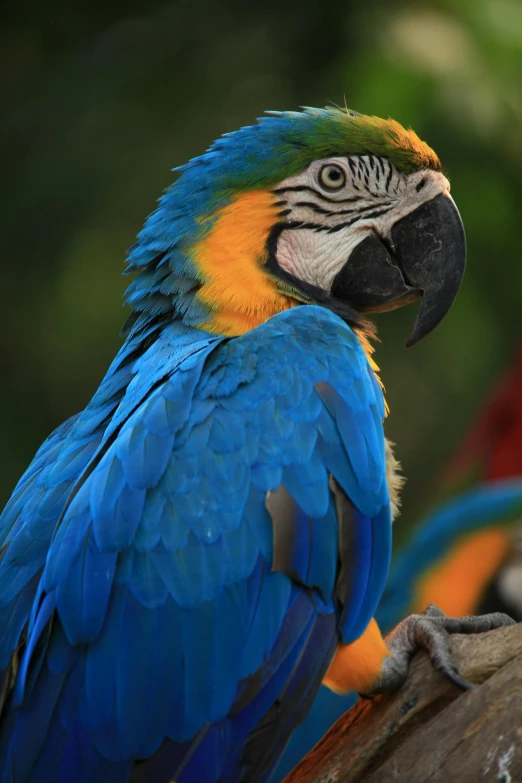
x,y
188,558
452,559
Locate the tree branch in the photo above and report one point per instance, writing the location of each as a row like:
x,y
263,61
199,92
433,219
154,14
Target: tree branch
x,y
429,730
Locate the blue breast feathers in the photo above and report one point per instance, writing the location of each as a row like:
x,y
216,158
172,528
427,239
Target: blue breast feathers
x,y
161,608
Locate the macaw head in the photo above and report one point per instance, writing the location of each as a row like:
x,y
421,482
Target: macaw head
x,y
320,206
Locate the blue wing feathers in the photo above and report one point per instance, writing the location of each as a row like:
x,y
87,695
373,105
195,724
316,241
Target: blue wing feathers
x,y
106,485
166,614
358,561
145,580
39,629
82,595
380,562
13,619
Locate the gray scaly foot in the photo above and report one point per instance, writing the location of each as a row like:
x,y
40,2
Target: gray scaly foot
x,y
431,631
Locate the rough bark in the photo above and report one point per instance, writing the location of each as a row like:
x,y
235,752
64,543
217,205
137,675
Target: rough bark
x,y
429,730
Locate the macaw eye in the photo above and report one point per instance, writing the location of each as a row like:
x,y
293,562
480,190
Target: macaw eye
x,y
332,177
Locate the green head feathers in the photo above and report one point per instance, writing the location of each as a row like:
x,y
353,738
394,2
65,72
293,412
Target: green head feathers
x,y
284,143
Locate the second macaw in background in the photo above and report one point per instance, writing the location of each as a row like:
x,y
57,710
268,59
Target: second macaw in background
x,y
492,451
465,556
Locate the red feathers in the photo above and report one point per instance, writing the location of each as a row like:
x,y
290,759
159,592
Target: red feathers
x,y
492,449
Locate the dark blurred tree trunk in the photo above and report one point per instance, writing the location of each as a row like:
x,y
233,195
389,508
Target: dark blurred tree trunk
x,y
429,730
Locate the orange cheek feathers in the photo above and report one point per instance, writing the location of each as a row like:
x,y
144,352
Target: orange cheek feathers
x,y
238,292
456,584
357,666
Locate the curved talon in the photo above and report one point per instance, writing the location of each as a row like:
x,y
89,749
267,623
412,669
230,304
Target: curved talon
x,y
453,675
458,681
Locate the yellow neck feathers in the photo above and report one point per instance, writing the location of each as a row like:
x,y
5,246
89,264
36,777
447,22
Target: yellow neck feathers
x,y
238,292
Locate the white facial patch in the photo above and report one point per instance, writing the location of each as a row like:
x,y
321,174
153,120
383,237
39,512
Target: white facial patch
x,y
325,224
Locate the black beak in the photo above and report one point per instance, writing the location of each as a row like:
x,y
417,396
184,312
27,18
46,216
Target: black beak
x,y
425,258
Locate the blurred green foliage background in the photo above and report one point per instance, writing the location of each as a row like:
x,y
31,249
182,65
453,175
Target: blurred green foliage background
x,y
100,99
